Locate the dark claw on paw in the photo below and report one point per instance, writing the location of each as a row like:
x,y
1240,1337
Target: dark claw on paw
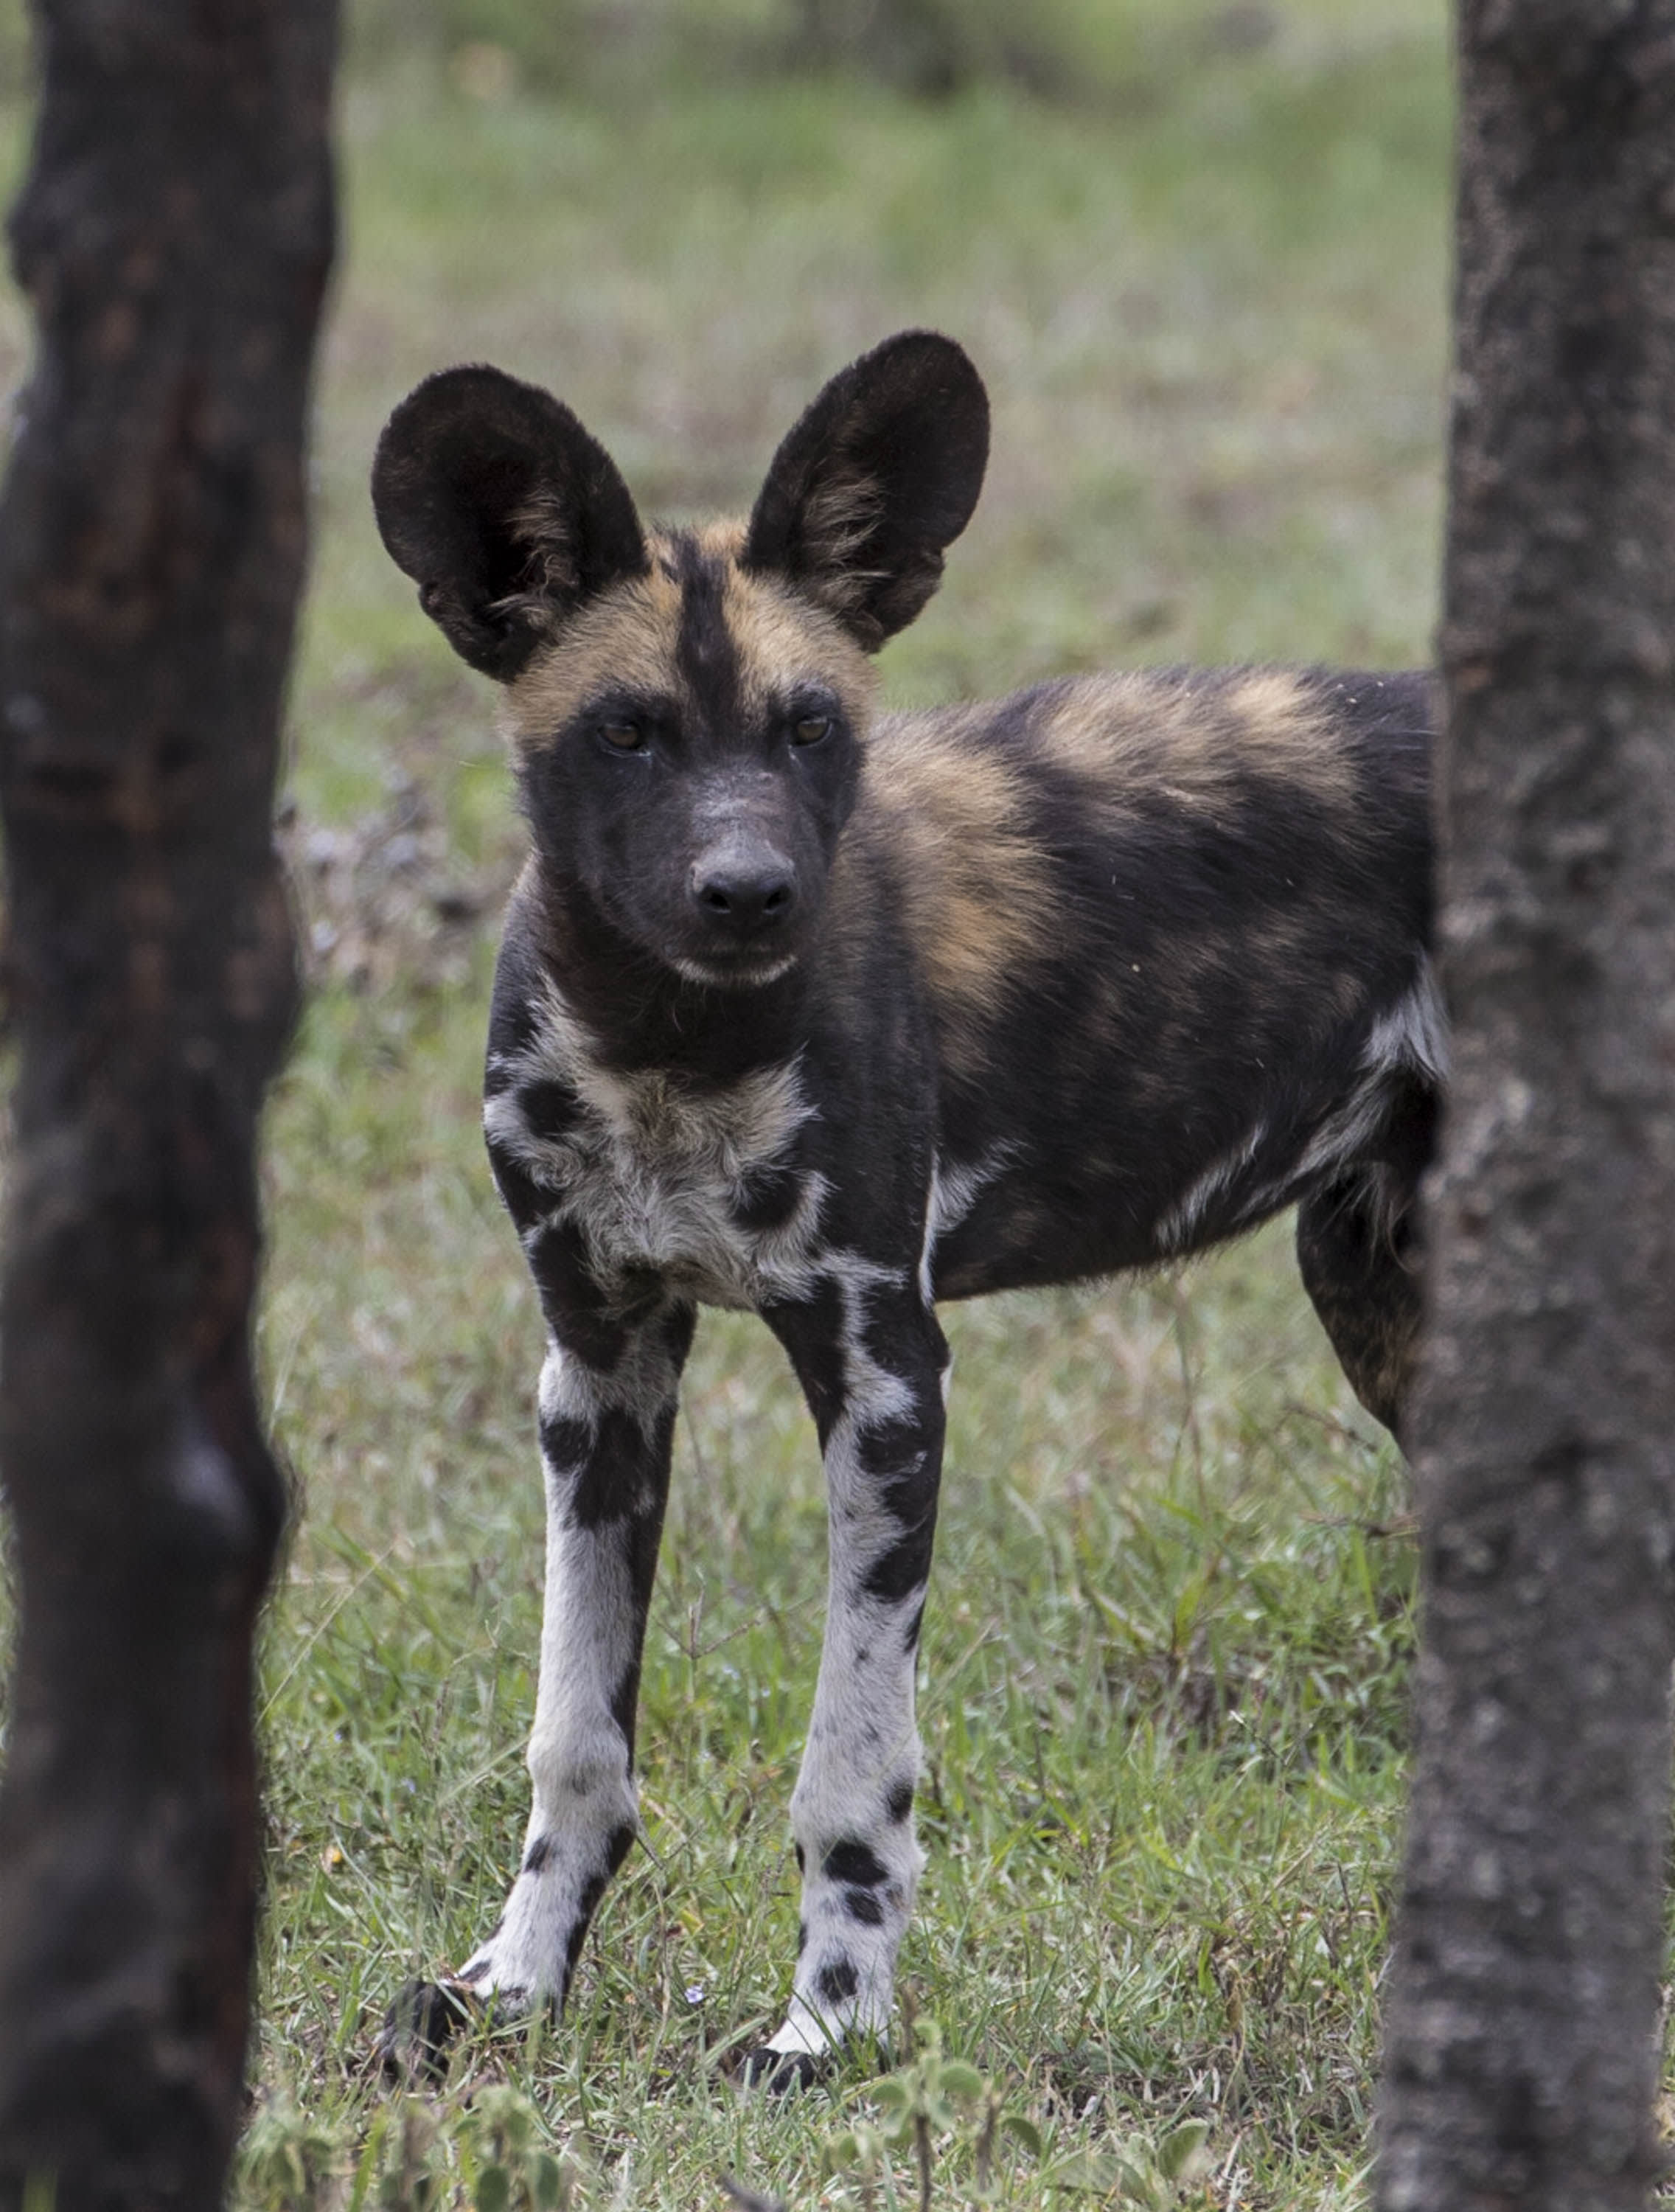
x,y
780,2072
420,2025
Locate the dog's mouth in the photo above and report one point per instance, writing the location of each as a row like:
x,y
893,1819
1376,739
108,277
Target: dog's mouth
x,y
744,970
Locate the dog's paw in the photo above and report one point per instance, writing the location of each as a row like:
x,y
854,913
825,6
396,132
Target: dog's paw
x,y
782,2073
421,2026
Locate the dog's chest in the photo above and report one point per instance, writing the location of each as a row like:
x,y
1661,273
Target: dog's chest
x,y
699,1184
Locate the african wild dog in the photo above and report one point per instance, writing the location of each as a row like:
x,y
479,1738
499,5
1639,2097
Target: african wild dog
x,y
833,1014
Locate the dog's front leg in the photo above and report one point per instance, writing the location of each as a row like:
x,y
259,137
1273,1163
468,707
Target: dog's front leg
x,y
607,1425
871,1360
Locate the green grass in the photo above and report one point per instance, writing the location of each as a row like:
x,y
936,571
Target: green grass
x,y
1163,1682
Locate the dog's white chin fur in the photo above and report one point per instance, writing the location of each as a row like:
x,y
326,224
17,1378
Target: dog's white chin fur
x,y
735,978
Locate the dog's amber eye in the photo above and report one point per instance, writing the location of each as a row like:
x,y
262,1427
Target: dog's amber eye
x,y
810,728
625,737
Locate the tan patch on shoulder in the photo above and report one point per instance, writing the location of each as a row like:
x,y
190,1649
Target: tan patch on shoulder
x,y
977,890
1191,741
1289,731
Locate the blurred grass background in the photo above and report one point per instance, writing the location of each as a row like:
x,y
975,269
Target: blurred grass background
x,y
1199,252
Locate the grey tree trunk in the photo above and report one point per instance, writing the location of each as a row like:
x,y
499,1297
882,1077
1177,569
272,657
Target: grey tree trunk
x,y
1523,2012
173,236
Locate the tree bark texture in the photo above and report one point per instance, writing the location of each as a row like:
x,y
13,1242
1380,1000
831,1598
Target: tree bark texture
x,y
1523,2014
173,236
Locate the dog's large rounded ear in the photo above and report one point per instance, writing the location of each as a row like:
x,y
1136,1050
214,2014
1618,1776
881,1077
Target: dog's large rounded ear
x,y
881,473
504,511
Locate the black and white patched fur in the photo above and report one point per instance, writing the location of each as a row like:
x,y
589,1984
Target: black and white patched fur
x,y
834,1014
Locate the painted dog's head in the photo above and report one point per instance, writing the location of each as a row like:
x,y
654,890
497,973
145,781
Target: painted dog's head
x,y
686,706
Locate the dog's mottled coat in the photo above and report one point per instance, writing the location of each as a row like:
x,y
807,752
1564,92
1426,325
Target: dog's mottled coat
x,y
833,1014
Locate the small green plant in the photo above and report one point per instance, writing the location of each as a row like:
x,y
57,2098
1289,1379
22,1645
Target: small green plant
x,y
1157,2174
509,2165
403,2167
288,2159
486,2150
932,2098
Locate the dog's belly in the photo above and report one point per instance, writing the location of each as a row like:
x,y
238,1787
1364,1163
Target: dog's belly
x,y
1028,1228
1023,1245
1139,1172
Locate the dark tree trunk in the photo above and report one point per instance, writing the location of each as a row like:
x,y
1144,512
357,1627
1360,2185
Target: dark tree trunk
x,y
1523,2013
173,236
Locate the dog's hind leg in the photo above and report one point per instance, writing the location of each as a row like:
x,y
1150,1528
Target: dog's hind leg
x,y
1358,1249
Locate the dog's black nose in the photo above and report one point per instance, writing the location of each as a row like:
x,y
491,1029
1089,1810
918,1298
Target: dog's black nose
x,y
745,893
